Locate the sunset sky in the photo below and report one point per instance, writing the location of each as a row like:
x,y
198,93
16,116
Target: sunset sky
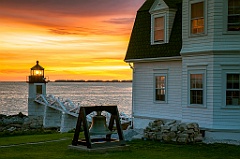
x,y
71,39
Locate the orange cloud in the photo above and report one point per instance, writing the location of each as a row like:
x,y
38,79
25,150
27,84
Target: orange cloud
x,y
72,39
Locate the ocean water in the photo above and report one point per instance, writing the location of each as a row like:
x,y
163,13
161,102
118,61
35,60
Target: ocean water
x,y
14,95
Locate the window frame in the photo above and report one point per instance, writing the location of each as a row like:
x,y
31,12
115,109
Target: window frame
x,y
232,89
204,16
156,29
38,87
225,20
228,70
155,88
198,71
195,88
228,18
153,17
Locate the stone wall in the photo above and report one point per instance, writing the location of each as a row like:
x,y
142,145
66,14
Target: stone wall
x,y
19,122
173,131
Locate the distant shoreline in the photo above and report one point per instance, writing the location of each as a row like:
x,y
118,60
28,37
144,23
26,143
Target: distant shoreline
x,y
77,81
93,81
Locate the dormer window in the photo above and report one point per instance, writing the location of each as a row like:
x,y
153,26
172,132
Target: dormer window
x,y
197,18
162,18
233,15
159,26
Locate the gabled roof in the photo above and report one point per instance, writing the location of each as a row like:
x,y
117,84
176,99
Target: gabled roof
x,y
140,45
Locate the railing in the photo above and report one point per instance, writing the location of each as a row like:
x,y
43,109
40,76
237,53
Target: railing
x,y
70,108
36,79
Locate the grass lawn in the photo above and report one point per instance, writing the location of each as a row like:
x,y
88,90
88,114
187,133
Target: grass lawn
x,y
139,149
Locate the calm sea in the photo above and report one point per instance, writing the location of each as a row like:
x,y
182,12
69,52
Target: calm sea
x,y
14,95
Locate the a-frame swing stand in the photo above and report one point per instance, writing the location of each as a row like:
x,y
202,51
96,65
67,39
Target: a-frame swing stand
x,y
105,143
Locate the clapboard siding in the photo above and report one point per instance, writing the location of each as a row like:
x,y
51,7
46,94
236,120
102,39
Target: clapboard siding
x,y
223,40
214,54
144,104
199,43
200,114
216,37
224,117
215,114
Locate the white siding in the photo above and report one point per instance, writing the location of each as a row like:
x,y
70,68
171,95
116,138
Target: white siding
x,y
214,50
223,116
213,53
216,37
143,90
200,114
223,40
215,114
196,43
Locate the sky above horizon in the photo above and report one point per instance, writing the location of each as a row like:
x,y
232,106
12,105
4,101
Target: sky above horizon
x,y
71,39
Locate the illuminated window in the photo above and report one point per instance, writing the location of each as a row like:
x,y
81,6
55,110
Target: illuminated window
x,y
196,88
160,88
197,18
159,29
233,15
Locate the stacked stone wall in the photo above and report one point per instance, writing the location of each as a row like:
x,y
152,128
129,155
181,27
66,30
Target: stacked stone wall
x,y
173,131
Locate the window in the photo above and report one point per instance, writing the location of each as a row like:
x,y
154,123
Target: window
x,y
159,29
233,15
196,88
39,89
197,18
162,19
160,88
233,89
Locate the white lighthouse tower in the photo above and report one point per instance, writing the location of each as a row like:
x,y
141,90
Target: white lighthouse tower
x,y
36,86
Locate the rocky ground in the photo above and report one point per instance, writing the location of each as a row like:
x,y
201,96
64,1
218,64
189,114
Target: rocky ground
x,y
157,130
172,131
20,124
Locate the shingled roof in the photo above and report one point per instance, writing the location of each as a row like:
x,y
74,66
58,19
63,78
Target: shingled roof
x,y
140,45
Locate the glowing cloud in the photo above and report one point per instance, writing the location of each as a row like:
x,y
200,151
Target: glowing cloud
x,y
74,39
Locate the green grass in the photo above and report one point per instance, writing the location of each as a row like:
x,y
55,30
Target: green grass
x,y
139,149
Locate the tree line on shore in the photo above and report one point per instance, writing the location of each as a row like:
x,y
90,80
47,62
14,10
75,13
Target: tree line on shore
x,y
93,80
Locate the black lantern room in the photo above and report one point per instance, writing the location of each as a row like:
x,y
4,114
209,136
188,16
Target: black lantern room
x,y
37,74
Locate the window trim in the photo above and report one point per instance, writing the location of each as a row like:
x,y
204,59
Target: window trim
x,y
158,15
37,85
196,88
154,87
225,20
197,71
227,89
228,70
204,16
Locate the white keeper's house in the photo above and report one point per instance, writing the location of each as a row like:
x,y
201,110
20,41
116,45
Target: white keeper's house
x,y
185,56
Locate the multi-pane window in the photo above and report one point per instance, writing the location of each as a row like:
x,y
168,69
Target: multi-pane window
x,y
233,15
160,88
159,29
196,88
233,89
197,18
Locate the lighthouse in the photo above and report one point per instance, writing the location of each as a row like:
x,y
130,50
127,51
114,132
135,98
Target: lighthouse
x,y
36,86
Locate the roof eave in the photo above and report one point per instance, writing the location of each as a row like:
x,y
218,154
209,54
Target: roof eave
x,y
159,59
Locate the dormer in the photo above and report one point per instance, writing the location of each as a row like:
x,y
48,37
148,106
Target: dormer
x,y
162,18
142,46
